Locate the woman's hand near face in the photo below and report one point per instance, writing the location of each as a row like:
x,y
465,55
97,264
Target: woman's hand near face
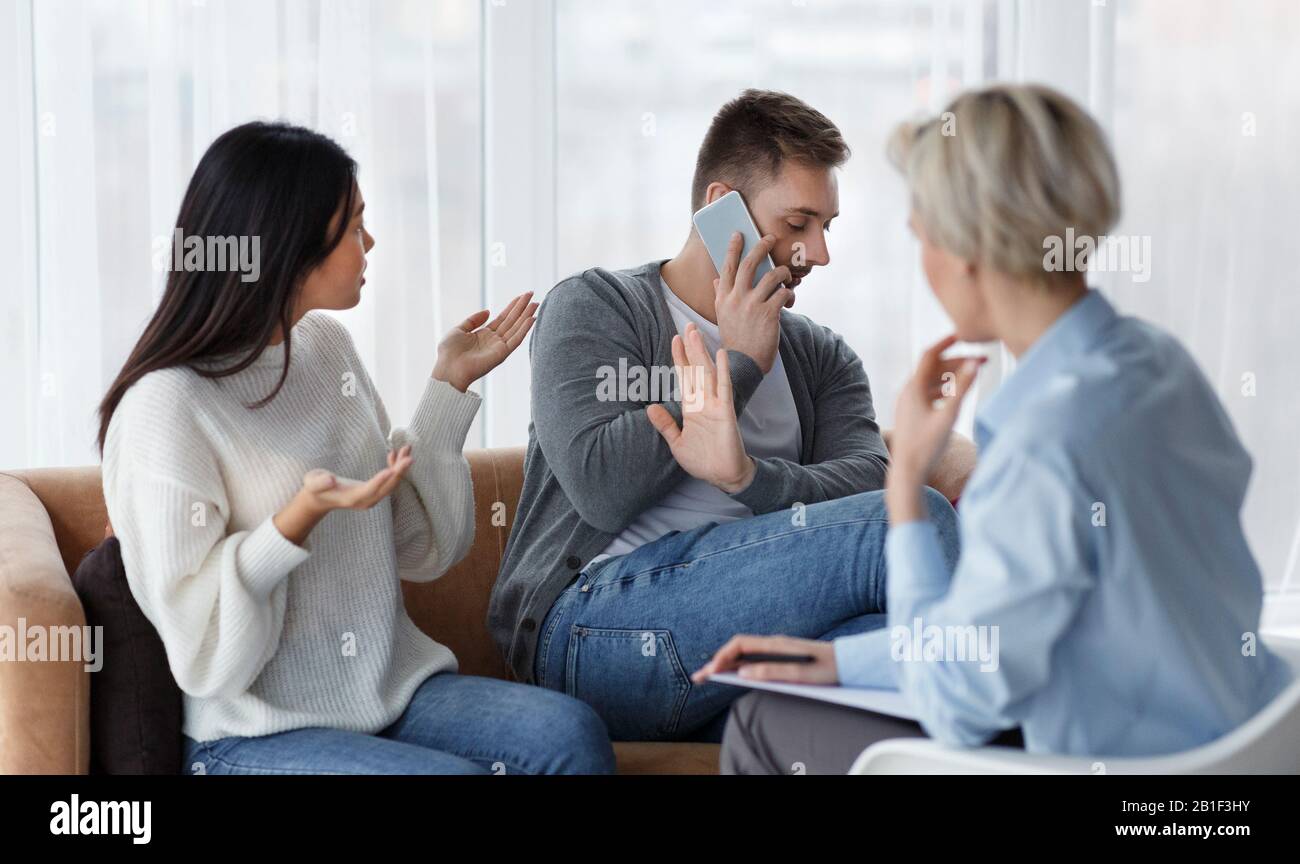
x,y
923,421
323,492
821,671
473,349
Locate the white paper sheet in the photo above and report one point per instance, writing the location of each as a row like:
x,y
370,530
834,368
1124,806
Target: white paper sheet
x,y
889,702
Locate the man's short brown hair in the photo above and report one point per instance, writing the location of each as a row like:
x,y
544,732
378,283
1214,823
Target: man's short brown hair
x,y
753,134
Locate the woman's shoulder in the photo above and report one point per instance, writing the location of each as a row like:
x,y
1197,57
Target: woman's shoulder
x,y
173,389
163,404
159,425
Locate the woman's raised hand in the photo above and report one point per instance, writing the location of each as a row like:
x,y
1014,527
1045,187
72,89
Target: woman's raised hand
x,y
927,410
474,349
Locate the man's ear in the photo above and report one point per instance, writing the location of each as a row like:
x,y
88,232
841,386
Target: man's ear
x,y
715,191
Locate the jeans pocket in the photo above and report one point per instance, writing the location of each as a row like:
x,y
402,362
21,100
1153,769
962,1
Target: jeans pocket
x,y
632,678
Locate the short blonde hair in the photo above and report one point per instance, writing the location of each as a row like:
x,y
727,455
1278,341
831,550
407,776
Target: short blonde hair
x,y
1003,169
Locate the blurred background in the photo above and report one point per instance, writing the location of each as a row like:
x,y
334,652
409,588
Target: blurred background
x,y
505,144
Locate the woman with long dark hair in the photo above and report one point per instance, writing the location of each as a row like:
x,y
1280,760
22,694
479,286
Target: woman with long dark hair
x,y
228,441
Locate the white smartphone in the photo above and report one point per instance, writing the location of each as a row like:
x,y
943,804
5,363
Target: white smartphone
x,y
723,218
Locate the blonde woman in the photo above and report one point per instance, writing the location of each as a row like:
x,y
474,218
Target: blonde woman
x,y
1121,631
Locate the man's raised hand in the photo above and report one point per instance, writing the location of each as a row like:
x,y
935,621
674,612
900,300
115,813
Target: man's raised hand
x,y
708,444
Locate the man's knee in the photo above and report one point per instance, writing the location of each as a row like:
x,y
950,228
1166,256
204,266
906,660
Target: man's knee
x,y
860,505
944,518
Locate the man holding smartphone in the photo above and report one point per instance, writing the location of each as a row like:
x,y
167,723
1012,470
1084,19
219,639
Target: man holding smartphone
x,y
623,574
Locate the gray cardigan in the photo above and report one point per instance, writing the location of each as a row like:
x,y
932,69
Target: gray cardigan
x,y
593,465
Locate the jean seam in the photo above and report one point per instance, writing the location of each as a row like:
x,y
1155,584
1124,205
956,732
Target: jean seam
x,y
468,757
683,564
546,640
684,686
238,766
510,763
586,577
201,751
600,567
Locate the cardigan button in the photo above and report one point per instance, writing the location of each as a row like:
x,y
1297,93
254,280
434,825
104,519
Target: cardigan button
x,y
573,562
528,624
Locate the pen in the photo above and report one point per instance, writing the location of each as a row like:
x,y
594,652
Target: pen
x,y
776,658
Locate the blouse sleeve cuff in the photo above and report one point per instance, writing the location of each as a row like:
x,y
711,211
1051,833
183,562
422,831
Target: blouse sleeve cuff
x,y
864,660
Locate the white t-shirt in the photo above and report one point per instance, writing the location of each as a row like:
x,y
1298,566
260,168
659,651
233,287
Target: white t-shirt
x,y
769,427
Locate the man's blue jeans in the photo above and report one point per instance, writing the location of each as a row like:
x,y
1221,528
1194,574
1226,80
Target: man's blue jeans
x,y
629,631
454,724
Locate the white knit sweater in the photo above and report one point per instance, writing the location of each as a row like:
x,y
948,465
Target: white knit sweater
x,y
261,635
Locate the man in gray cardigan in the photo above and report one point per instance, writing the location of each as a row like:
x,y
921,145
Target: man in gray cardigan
x,y
622,573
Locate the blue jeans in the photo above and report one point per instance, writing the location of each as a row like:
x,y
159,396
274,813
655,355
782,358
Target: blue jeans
x,y
625,636
454,724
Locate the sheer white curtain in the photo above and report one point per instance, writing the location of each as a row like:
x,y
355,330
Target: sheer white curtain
x,y
1202,101
18,301
113,104
1206,123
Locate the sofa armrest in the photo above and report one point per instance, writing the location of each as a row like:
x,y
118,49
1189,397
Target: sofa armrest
x,y
954,467
44,704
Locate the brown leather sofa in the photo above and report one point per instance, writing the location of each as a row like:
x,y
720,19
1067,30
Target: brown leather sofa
x,y
49,519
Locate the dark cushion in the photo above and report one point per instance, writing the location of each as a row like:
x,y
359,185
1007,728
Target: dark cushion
x,y
135,705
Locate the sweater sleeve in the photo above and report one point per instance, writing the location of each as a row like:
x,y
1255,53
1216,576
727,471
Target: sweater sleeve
x,y
433,506
216,598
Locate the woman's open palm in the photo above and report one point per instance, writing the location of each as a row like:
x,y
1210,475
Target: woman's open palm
x,y
474,349
329,491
